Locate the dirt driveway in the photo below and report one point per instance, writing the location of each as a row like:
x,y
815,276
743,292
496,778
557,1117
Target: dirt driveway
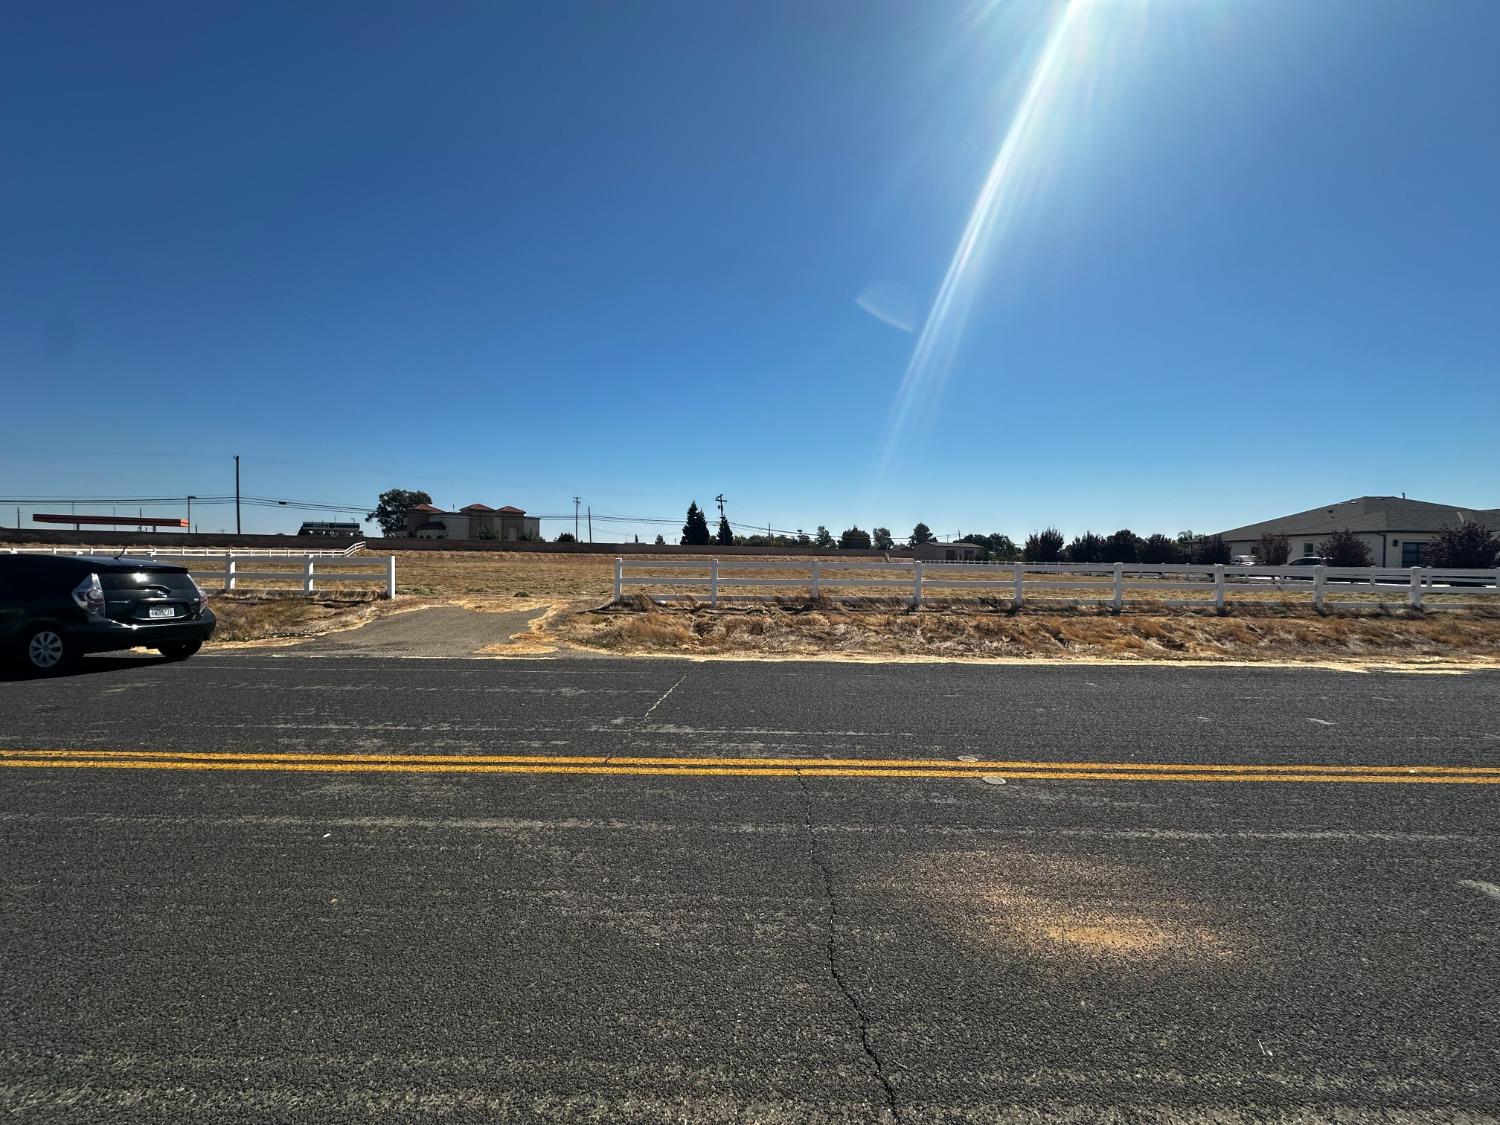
x,y
437,631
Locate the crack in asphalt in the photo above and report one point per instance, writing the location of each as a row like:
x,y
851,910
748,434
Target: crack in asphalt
x,y
646,718
831,914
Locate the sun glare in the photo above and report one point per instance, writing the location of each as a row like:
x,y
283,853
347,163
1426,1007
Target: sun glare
x,y
932,357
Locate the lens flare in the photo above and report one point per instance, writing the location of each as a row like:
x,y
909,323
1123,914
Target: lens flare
x,y
932,358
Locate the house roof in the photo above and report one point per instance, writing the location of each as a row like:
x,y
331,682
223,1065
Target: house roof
x,y
1376,514
425,508
510,510
476,508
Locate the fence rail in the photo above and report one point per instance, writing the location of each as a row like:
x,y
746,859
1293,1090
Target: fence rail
x,y
192,552
309,570
1413,586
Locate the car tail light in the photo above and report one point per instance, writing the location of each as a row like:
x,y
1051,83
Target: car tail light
x,y
201,601
89,595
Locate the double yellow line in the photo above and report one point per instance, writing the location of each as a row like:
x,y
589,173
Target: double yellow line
x,y
927,768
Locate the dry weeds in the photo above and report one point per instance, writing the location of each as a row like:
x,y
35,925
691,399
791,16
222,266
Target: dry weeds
x,y
1249,634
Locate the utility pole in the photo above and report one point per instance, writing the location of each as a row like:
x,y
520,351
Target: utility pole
x,y
719,500
237,494
591,523
576,501
190,500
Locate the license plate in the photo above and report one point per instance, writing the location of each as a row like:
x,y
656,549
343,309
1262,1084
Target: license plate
x,y
161,611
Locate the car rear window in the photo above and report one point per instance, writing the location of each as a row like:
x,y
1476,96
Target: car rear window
x,y
176,581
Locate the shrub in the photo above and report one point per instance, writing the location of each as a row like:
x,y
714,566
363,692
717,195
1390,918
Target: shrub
x,y
1044,546
569,537
1344,548
1470,544
1273,549
1160,548
854,540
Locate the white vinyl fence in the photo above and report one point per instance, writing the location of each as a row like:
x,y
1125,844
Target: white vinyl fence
x,y
1017,583
240,570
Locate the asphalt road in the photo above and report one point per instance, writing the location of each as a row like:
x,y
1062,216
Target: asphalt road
x,y
260,888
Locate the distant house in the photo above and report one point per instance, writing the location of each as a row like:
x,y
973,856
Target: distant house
x,y
940,552
473,521
1394,528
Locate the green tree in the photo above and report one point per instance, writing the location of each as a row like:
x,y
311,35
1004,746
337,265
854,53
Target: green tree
x,y
1159,548
998,546
1469,545
854,540
695,531
1211,549
1273,549
661,540
803,538
823,538
882,539
1086,548
390,510
1345,548
921,534
1124,546
1044,546
566,537
726,533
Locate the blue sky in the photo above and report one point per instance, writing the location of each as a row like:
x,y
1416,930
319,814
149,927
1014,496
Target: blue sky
x,y
1242,260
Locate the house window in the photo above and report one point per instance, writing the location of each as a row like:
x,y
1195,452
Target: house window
x,y
1307,549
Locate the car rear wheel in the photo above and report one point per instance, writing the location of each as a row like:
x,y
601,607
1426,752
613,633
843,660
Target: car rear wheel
x,y
46,650
180,651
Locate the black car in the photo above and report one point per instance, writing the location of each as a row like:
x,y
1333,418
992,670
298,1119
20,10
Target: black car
x,y
56,608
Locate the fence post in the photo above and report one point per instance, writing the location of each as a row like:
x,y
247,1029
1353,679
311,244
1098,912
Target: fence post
x,y
1219,586
619,578
817,579
1119,600
713,583
1020,583
1319,577
916,584
390,576
1414,598
229,578
307,577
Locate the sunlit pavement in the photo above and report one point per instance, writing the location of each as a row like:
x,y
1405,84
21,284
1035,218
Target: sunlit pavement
x,y
259,888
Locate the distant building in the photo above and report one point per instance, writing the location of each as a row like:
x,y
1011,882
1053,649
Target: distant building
x,y
1394,528
940,552
473,521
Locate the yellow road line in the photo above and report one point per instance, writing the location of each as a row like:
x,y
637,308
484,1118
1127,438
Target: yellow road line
x,y
477,761
689,768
